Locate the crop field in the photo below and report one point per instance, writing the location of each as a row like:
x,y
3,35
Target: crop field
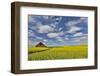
x,y
58,52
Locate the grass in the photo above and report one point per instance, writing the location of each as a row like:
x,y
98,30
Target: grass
x,y
63,52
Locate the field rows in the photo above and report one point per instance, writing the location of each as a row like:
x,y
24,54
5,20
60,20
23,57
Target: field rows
x,y
63,52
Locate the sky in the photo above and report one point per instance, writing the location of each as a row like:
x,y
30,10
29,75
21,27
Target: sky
x,y
57,30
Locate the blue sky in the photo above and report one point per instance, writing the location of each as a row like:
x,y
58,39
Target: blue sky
x,y
57,30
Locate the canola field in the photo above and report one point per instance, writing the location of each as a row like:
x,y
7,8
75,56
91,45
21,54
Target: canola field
x,y
58,52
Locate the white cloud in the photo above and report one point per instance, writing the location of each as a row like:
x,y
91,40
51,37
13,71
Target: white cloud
x,y
84,37
31,43
31,33
59,39
40,38
45,29
45,17
60,29
45,40
58,18
72,25
52,35
75,22
61,33
38,23
73,29
53,25
31,19
34,19
79,38
84,19
66,38
78,34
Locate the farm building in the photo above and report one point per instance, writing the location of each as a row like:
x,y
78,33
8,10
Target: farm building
x,y
40,44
